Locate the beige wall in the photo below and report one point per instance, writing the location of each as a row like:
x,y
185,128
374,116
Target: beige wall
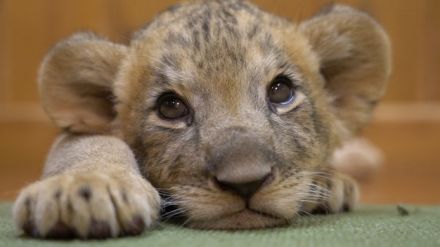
x,y
406,126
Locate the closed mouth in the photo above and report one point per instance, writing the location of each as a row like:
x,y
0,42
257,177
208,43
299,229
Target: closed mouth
x,y
237,215
245,218
250,210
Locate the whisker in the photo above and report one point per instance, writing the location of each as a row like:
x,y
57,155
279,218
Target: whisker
x,y
169,203
173,213
188,219
305,212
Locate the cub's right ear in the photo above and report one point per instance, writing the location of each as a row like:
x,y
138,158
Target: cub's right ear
x,y
76,82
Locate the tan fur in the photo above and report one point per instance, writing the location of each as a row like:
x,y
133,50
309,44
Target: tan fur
x,y
358,158
220,57
119,195
75,82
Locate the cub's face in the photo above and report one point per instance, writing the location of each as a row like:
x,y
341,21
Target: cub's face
x,y
233,113
230,116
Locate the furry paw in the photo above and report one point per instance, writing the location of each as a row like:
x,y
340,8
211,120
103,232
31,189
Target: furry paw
x,y
87,205
339,193
344,194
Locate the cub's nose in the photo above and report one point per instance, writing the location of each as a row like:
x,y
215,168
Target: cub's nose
x,y
245,190
240,160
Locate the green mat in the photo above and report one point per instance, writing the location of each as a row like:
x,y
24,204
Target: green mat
x,y
368,226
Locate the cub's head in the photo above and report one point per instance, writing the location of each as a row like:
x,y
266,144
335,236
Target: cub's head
x,y
231,112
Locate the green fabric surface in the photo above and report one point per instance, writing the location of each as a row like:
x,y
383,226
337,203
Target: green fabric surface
x,y
368,226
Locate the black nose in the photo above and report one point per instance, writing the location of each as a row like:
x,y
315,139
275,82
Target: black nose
x,y
245,190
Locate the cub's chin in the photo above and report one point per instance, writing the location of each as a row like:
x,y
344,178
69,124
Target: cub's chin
x,y
245,219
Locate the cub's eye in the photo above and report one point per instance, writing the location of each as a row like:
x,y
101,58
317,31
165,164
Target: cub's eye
x,y
171,107
281,91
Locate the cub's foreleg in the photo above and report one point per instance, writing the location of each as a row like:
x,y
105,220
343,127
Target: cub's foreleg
x,y
91,188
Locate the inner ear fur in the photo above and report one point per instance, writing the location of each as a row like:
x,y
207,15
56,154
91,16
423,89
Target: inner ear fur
x,y
76,82
354,56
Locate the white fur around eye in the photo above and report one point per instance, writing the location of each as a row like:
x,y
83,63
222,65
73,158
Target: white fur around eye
x,y
157,121
297,100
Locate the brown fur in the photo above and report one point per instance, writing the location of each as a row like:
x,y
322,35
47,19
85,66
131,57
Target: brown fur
x,y
220,57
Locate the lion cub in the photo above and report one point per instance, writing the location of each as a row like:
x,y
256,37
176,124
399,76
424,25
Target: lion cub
x,y
217,113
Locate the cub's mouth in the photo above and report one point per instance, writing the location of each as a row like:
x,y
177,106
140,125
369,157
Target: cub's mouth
x,y
244,219
214,207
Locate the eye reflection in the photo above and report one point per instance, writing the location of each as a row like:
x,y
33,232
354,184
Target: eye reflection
x,y
171,107
281,91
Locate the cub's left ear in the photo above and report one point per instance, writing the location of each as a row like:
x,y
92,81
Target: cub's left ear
x,y
76,82
354,56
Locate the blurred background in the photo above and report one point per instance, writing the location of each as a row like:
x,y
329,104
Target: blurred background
x,y
406,126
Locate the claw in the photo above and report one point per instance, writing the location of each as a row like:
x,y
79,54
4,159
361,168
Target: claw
x,y
99,230
30,228
136,227
61,231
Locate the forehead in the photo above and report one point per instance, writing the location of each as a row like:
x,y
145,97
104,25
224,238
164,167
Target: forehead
x,y
205,19
212,38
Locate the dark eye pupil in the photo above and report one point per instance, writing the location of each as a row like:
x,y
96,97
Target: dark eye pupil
x,y
171,107
280,91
